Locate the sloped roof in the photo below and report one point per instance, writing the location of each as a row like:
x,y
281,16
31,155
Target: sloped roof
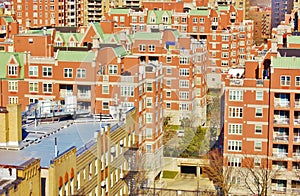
x,y
5,57
159,14
120,51
8,19
147,36
293,39
199,12
285,62
75,56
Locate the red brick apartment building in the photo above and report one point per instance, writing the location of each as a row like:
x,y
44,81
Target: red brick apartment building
x,y
229,38
261,118
139,70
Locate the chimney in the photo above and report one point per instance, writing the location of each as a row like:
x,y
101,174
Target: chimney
x,y
3,126
15,124
55,147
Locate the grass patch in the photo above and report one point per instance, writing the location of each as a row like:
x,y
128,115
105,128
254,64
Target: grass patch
x,y
169,174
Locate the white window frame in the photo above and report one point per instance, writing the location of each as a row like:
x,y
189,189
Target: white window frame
x,y
33,87
127,91
259,112
285,80
12,70
47,87
235,129
257,145
235,145
236,95
184,83
68,72
258,129
81,73
13,100
47,71
33,71
259,95
13,86
151,48
235,112
105,89
113,69
184,72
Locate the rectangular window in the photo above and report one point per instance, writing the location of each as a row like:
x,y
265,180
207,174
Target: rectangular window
x,y
68,72
168,94
184,60
33,70
259,95
33,86
105,105
168,105
13,70
13,86
184,72
148,117
195,20
151,48
148,148
201,20
258,112
257,145
47,71
297,81
113,69
258,129
235,129
148,102
47,87
81,73
168,82
127,91
234,145
184,83
168,70
234,161
183,106
13,100
225,55
169,59
183,95
235,112
105,89
148,133
285,80
149,87
235,95
122,18
142,47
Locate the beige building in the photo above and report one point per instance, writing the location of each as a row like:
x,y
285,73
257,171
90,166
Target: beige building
x,y
80,156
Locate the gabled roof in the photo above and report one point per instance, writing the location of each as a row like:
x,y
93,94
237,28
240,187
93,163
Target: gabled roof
x,y
159,14
66,36
98,29
120,51
76,56
147,36
8,18
5,58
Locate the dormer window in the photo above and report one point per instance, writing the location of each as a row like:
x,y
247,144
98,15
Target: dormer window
x,y
152,19
12,70
58,43
165,19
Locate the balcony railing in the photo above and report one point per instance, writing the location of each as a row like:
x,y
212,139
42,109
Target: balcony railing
x,y
65,93
282,103
236,82
296,154
278,189
297,104
84,95
296,121
281,137
282,121
280,154
296,138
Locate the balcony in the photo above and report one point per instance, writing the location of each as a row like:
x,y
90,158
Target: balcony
x,y
296,155
280,154
64,93
281,103
281,137
84,95
282,120
278,189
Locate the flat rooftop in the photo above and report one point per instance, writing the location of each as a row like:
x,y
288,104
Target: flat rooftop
x,y
40,141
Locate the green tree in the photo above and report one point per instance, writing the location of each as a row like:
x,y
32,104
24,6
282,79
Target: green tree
x,y
193,141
